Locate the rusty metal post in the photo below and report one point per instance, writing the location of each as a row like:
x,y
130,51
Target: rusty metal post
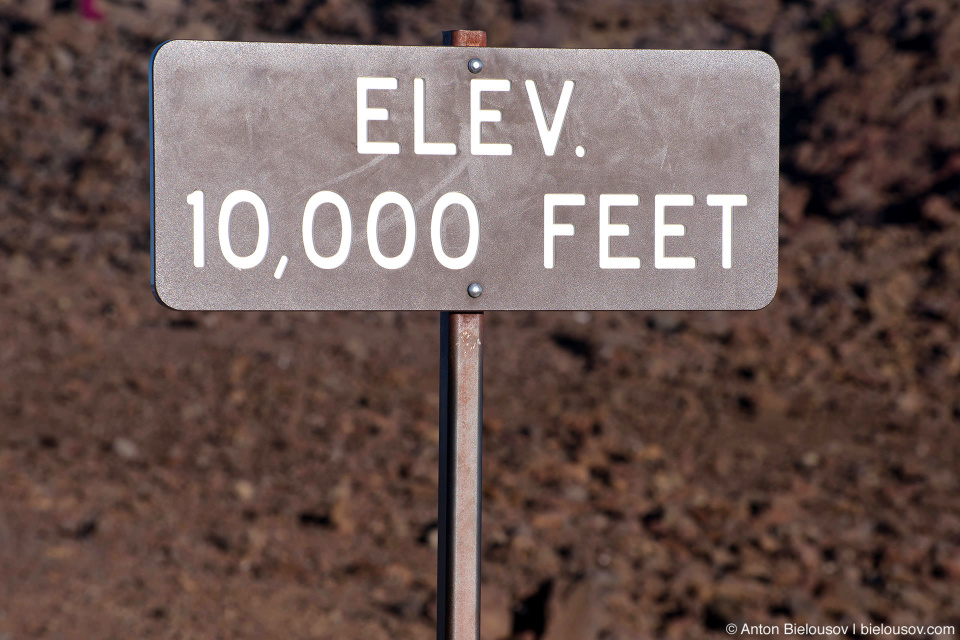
x,y
461,408
461,413
464,38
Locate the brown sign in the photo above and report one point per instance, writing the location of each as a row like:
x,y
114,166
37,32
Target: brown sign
x,y
291,176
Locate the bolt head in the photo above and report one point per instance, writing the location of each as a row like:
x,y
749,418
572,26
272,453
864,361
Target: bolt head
x,y
474,290
475,65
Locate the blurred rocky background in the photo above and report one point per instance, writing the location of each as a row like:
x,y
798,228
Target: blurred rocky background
x,y
646,475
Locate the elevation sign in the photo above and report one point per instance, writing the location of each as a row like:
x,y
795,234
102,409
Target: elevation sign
x,y
290,176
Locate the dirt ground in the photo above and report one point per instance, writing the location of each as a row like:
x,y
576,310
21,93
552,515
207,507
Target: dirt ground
x,y
646,475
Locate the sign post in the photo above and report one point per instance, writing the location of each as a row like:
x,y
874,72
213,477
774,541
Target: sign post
x,y
461,410
461,428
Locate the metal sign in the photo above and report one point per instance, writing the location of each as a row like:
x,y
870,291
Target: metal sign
x,y
289,176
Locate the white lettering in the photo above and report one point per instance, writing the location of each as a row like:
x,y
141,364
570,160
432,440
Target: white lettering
x,y
473,239
756,629
794,629
385,198
366,114
478,116
195,199
727,202
549,137
346,232
421,147
551,229
263,229
661,230
607,230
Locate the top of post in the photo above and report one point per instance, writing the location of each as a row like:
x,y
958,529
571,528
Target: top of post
x,y
464,38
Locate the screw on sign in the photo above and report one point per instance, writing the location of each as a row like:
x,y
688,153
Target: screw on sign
x,y
322,177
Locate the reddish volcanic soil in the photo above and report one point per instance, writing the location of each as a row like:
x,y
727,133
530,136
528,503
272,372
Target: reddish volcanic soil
x,y
646,475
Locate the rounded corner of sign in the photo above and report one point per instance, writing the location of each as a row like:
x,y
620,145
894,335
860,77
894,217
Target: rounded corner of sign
x,y
163,50
767,63
766,296
159,297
